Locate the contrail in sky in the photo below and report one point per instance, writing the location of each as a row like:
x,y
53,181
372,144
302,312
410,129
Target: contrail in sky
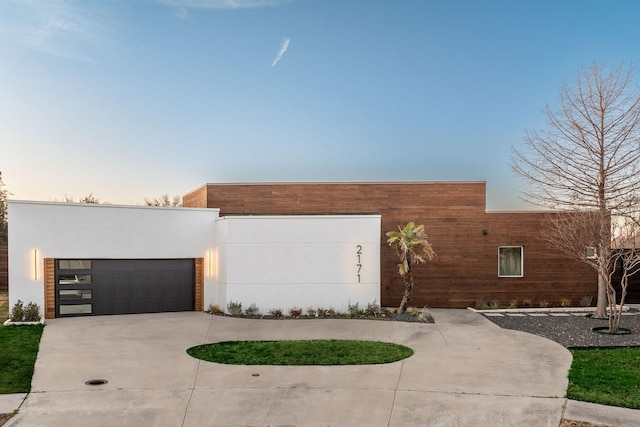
x,y
283,49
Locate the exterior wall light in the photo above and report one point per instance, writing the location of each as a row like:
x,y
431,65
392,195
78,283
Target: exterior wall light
x,y
35,264
209,263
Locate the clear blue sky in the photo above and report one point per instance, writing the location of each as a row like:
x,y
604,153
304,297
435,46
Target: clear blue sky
x,y
133,99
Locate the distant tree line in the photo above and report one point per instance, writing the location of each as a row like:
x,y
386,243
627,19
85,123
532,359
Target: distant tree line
x,y
89,198
3,212
163,201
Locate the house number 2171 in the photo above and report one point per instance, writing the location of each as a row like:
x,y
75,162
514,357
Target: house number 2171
x,y
359,264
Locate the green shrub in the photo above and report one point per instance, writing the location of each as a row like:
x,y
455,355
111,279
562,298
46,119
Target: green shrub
x,y
32,313
276,313
372,310
354,310
543,303
494,305
17,312
295,312
565,302
20,313
234,308
527,303
513,303
424,314
311,312
481,304
215,309
586,301
252,310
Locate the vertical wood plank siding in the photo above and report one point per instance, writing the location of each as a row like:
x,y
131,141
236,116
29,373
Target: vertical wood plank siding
x,y
199,284
49,288
4,268
454,216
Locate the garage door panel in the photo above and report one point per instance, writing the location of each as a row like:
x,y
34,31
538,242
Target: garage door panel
x,y
135,286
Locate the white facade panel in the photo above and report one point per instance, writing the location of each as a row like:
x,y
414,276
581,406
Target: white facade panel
x,y
41,230
292,263
299,228
300,261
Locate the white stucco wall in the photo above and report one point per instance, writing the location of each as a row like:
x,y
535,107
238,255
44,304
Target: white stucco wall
x,y
272,261
74,230
299,261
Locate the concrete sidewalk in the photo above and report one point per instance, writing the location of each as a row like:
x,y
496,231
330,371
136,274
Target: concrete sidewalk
x,y
465,371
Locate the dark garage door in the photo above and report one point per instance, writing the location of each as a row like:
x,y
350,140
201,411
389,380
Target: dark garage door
x,y
123,286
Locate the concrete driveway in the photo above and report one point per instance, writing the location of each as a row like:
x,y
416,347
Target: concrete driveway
x,y
466,371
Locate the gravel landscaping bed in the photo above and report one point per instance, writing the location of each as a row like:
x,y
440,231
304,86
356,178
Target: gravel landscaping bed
x,y
574,331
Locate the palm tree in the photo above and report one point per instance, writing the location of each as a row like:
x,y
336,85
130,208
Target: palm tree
x,y
412,247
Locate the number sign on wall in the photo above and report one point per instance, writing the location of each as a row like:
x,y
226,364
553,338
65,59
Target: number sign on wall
x,y
359,263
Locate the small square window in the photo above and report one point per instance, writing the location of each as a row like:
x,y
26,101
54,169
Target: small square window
x,y
74,279
75,293
76,309
74,264
510,261
591,252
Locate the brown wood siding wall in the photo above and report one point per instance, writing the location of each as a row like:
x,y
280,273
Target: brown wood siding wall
x,y
454,216
199,285
196,198
549,275
4,267
49,288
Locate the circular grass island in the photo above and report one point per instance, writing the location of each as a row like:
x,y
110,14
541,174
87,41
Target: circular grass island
x,y
301,352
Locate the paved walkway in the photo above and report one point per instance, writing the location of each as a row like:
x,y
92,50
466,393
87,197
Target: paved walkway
x,y
545,314
465,371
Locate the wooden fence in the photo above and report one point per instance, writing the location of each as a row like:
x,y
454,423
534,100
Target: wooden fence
x,y
4,267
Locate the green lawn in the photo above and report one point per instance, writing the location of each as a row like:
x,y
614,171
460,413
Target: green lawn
x,y
17,357
303,352
18,352
606,376
4,306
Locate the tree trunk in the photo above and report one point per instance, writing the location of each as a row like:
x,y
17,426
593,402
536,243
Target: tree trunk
x,y
408,288
613,312
616,325
604,255
601,303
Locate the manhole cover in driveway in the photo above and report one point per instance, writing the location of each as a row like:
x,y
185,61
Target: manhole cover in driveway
x,y
96,382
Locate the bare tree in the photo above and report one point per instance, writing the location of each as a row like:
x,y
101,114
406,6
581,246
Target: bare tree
x,y
587,159
164,201
3,212
626,261
89,198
